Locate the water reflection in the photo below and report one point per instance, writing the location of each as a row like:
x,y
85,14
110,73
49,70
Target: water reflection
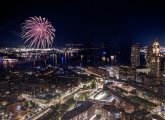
x,y
29,60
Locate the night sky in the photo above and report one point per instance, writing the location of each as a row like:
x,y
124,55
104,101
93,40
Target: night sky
x,y
117,23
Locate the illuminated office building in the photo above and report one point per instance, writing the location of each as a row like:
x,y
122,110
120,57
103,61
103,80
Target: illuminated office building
x,y
153,58
135,55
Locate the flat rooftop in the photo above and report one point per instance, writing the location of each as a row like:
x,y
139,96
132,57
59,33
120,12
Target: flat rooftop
x,y
156,117
78,110
102,96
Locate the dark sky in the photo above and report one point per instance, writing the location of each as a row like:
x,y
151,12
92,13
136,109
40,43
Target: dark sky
x,y
117,22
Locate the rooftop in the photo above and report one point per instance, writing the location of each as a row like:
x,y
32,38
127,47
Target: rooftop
x,y
71,114
156,117
111,108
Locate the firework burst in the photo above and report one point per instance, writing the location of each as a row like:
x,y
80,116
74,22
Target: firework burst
x,y
38,32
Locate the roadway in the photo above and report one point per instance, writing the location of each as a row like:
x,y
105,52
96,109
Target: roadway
x,y
54,102
39,114
77,95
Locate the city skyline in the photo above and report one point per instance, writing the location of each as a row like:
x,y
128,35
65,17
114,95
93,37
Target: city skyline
x,y
82,60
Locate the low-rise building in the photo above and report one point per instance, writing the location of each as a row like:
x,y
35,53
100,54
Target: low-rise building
x,y
140,77
145,70
84,112
161,90
126,73
111,113
113,71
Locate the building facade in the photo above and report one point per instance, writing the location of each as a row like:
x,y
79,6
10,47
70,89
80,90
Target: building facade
x,y
155,59
148,56
83,112
135,55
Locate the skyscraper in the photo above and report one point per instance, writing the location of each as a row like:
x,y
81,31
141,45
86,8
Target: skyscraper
x,y
155,67
153,58
148,56
135,55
